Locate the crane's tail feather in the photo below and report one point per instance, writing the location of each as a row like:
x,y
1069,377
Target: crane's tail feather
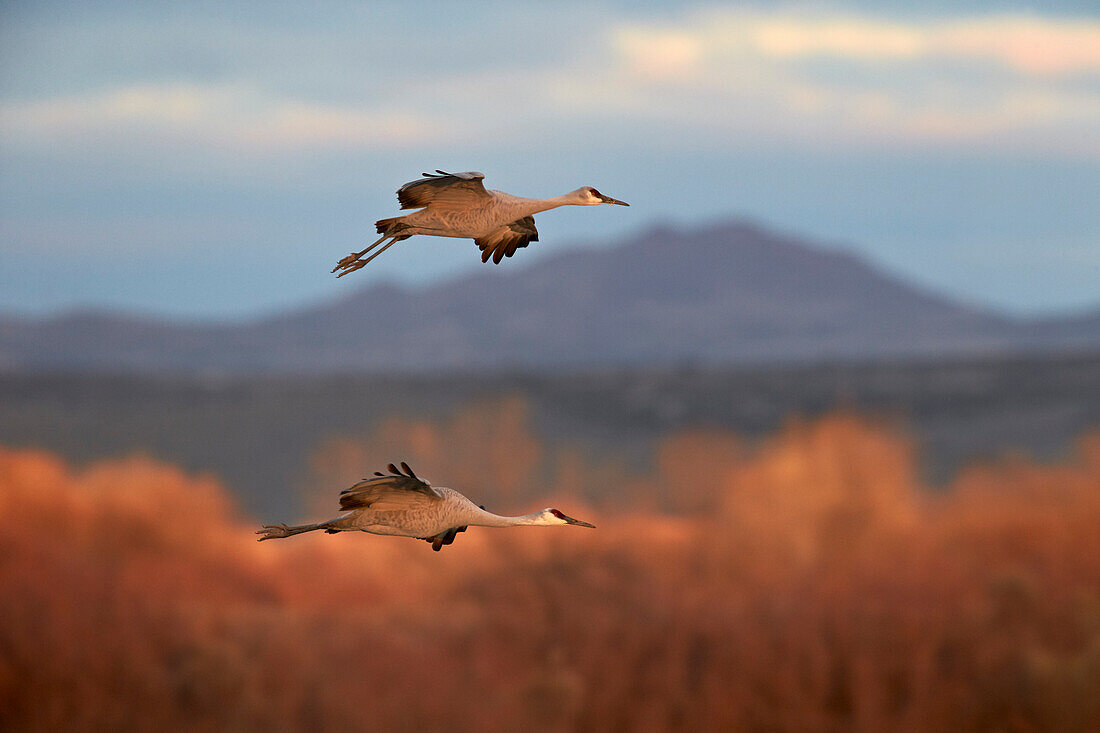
x,y
392,227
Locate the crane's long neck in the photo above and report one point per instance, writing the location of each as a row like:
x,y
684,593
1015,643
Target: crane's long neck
x,y
534,206
488,519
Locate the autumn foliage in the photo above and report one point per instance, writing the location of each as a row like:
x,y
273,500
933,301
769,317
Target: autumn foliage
x,y
804,582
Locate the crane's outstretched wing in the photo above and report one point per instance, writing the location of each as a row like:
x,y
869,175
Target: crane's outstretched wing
x,y
445,538
401,489
444,190
505,241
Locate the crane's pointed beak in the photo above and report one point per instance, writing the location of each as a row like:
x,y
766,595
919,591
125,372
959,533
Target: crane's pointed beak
x,y
579,523
609,200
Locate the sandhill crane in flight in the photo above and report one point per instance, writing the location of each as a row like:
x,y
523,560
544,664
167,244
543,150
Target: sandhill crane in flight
x,y
457,205
404,505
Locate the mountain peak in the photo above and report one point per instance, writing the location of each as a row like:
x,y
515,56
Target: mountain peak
x,y
726,292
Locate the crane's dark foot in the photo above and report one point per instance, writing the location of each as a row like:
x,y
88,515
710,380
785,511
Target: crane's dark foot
x,y
274,532
347,261
352,267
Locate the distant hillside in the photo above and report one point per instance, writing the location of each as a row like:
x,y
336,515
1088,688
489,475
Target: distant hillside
x,y
726,294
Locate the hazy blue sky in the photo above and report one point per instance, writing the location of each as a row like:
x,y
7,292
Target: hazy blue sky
x,y
215,159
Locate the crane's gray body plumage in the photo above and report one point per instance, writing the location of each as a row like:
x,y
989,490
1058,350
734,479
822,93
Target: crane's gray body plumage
x,y
404,505
458,205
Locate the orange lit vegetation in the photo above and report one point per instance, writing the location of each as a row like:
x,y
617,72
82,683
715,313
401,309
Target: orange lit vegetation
x,y
806,583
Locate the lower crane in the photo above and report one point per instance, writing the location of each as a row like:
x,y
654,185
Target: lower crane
x,y
404,505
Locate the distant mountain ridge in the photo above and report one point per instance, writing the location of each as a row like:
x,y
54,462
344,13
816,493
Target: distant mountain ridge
x,y
724,294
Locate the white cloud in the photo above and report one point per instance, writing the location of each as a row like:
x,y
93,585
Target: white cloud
x,y
731,77
660,54
839,78
844,38
212,116
1036,46
1031,45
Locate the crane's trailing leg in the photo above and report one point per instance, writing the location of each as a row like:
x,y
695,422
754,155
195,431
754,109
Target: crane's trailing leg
x,y
356,264
387,228
350,259
279,531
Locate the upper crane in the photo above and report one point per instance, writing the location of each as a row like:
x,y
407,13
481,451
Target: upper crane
x,y
457,205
